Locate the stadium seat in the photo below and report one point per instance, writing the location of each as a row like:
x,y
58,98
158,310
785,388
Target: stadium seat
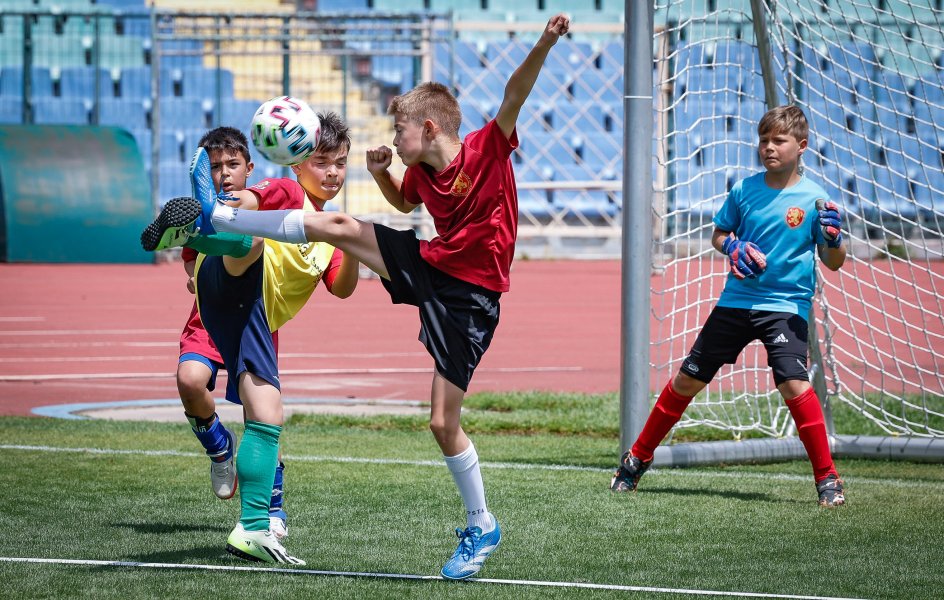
x,y
173,180
173,148
238,113
11,82
181,54
185,113
598,86
329,6
80,82
130,113
200,83
135,82
65,111
11,110
577,117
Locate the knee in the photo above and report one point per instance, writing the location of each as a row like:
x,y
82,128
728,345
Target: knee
x,y
686,385
442,430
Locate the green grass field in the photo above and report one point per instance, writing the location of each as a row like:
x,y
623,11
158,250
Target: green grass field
x,y
371,495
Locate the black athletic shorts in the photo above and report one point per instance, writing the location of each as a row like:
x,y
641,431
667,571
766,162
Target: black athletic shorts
x,y
457,318
728,330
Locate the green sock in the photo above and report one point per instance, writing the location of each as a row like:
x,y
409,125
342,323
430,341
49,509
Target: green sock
x,y
255,468
223,243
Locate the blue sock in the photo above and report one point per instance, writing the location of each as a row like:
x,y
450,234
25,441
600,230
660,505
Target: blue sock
x,y
275,504
213,436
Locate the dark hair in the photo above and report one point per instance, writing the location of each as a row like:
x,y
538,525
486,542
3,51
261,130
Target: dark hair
x,y
335,134
226,138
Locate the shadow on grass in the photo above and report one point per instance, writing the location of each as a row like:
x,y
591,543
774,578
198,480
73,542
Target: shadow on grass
x,y
731,495
167,528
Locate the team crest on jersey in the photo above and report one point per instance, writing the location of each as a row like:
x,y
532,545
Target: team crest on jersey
x,y
261,185
795,216
460,187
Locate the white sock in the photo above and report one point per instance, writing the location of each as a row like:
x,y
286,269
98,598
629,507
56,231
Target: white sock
x,y
279,225
465,472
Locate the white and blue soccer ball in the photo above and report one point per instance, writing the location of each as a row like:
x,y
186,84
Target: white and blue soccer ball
x,y
285,130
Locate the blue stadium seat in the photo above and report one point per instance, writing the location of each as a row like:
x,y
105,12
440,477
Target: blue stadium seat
x,y
11,82
200,83
577,117
598,86
173,180
460,58
505,57
143,138
80,82
238,113
181,54
64,111
11,110
130,113
329,6
135,82
173,148
611,57
569,56
185,113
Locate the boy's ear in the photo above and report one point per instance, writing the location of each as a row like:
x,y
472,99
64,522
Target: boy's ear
x,y
430,128
249,167
803,144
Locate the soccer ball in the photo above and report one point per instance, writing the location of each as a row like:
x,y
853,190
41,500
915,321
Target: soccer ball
x,y
285,130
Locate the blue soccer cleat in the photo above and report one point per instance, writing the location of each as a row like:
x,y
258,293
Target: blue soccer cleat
x,y
474,548
201,184
183,219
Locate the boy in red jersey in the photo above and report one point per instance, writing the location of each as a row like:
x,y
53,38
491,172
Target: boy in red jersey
x,y
455,279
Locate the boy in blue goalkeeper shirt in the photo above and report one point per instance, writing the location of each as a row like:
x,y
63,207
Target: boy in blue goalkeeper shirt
x,y
771,226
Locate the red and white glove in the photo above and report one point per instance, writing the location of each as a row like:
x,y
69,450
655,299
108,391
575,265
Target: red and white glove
x,y
745,258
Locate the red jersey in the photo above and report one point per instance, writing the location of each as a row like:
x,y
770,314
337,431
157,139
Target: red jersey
x,y
474,205
273,194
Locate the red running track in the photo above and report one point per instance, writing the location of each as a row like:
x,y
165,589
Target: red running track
x,y
98,333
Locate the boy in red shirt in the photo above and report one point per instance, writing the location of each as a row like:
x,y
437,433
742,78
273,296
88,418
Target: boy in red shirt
x,y
455,279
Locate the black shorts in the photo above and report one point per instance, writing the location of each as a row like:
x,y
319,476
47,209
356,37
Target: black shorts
x,y
457,318
728,330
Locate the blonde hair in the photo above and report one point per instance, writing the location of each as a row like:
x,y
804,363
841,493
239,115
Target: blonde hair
x,y
431,101
785,119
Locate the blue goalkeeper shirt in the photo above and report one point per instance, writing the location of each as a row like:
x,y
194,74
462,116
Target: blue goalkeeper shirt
x,y
784,226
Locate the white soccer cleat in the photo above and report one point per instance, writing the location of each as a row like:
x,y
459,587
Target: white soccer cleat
x,y
223,473
259,546
278,526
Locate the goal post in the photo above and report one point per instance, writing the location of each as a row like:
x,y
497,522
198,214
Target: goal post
x,y
869,74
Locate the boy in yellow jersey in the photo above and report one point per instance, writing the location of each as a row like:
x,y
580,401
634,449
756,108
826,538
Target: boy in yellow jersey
x,y
243,300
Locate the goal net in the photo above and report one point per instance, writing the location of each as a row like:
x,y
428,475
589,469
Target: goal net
x,y
869,74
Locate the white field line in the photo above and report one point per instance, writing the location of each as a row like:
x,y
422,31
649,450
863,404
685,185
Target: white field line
x,y
377,371
682,473
519,582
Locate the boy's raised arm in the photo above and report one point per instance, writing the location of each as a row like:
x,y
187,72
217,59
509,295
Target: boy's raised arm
x,y
522,80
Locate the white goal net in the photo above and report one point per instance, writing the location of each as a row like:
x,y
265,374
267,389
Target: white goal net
x,y
869,74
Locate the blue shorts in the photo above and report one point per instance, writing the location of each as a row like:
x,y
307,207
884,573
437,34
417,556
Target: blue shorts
x,y
211,364
233,313
457,318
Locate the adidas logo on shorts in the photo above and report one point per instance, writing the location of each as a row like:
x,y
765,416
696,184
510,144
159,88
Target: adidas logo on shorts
x,y
781,339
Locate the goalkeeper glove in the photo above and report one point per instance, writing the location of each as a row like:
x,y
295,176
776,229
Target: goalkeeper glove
x,y
745,258
830,222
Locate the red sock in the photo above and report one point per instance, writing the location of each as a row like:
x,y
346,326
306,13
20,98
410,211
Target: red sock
x,y
666,413
811,428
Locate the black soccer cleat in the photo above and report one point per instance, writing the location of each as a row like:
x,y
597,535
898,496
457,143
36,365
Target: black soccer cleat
x,y
627,475
830,491
176,224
